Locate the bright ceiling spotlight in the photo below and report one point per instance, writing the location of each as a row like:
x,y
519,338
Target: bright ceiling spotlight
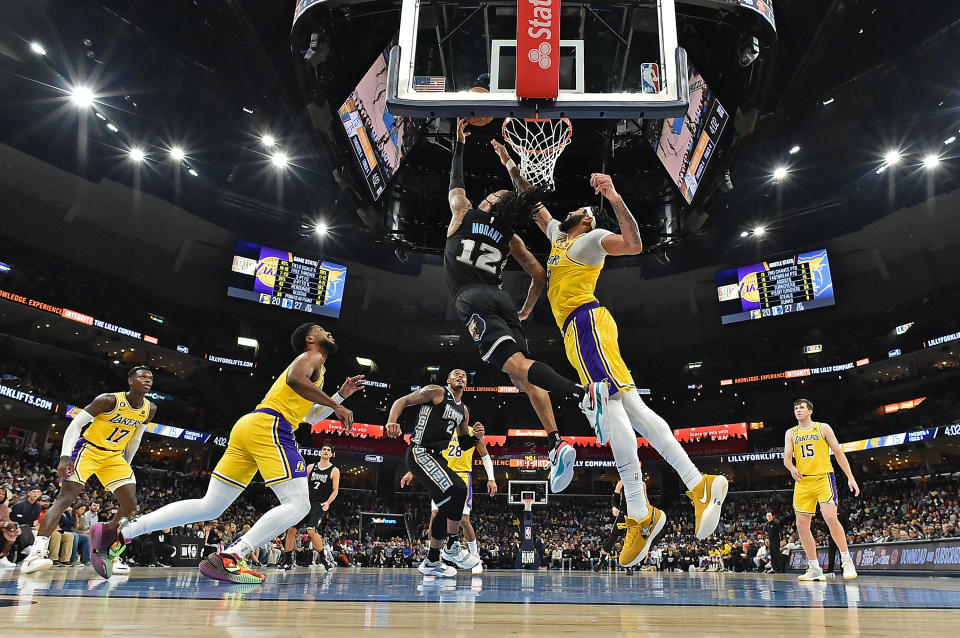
x,y
744,233
177,153
780,172
82,96
931,161
37,48
280,160
794,150
137,155
321,229
892,158
759,231
268,140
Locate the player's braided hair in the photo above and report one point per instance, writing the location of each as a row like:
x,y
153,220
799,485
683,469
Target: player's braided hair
x,y
517,209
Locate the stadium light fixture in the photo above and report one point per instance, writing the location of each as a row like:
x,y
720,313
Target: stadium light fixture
x,y
37,48
81,96
780,172
931,161
794,150
759,231
177,154
950,140
828,101
193,173
268,140
280,160
744,233
112,127
321,228
137,155
892,158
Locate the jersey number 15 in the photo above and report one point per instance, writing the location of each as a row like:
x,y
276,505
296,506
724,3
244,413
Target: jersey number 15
x,y
806,450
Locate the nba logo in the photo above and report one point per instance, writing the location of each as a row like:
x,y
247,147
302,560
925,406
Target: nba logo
x,y
650,77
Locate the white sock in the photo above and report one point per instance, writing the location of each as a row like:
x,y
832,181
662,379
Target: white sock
x,y
40,544
218,498
623,444
473,547
813,564
294,504
652,427
844,556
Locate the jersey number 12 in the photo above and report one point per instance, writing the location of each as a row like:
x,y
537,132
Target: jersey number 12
x,y
488,259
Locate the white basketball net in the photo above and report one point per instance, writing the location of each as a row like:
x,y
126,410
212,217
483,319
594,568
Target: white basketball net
x,y
539,144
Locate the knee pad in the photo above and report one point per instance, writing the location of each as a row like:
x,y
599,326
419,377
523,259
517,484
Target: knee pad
x,y
438,529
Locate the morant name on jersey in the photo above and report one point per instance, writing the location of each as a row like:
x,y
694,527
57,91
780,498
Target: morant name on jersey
x,y
489,231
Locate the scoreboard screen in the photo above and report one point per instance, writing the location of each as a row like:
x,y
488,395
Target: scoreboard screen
x,y
284,280
774,288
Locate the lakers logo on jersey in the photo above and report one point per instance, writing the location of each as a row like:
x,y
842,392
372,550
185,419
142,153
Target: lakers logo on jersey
x,y
112,430
301,467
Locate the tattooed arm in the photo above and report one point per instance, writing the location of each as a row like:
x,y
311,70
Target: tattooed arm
x,y
628,241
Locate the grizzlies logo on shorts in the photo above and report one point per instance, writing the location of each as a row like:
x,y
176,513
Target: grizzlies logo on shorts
x,y
476,327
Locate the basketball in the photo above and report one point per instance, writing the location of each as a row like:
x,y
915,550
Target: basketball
x,y
479,121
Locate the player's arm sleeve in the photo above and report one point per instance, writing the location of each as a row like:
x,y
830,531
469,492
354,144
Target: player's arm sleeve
x,y
487,466
553,229
72,435
456,167
133,444
589,249
319,412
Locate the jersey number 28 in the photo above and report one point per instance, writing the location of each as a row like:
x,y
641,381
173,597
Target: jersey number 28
x,y
488,259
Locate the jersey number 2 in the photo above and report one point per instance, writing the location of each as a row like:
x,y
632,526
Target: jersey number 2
x,y
806,450
117,435
487,260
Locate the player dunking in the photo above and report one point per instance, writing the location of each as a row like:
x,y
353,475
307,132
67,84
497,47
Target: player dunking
x,y
461,461
442,413
324,481
590,338
809,444
261,440
111,427
479,241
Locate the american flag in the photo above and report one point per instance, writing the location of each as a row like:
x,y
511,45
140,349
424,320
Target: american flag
x,y
425,83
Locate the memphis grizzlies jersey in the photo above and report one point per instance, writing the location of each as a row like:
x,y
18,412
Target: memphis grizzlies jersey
x,y
458,459
283,399
436,424
320,483
811,453
112,430
477,252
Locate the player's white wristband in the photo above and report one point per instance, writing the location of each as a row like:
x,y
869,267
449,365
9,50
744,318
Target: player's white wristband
x,y
510,165
488,466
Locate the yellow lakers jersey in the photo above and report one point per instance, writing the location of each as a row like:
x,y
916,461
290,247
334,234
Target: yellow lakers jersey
x,y
283,399
571,283
459,460
811,453
112,430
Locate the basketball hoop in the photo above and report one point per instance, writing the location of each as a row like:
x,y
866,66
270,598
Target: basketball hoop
x,y
539,143
527,504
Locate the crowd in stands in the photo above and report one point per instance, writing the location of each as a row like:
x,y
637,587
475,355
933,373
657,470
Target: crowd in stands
x,y
572,530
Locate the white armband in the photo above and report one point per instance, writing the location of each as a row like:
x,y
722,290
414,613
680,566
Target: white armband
x,y
319,412
510,165
72,435
487,466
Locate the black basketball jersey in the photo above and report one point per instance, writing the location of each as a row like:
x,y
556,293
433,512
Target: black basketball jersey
x,y
477,252
321,485
436,423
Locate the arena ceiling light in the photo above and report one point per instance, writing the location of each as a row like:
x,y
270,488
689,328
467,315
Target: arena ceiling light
x,y
280,160
780,172
931,161
365,361
950,140
37,48
794,150
321,228
744,233
137,155
759,231
892,158
268,140
112,127
177,154
193,173
82,96
828,101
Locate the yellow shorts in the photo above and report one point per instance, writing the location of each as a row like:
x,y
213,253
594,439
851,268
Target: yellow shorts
x,y
590,339
262,440
814,490
108,465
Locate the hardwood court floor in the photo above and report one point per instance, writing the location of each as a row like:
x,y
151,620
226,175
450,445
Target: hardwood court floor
x,y
174,603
